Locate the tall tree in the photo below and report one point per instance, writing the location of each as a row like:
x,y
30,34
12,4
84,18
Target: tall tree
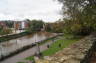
x,y
36,25
81,13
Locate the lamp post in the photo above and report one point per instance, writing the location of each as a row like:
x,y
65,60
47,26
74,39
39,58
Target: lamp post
x,y
38,48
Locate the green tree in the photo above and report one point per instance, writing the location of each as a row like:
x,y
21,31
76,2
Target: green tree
x,y
48,27
35,25
1,30
5,31
82,14
9,24
56,27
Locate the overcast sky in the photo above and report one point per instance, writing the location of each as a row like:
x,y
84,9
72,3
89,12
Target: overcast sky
x,y
47,10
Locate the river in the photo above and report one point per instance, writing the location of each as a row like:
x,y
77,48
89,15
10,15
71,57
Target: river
x,y
15,44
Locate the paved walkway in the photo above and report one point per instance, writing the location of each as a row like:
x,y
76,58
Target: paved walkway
x,y
19,57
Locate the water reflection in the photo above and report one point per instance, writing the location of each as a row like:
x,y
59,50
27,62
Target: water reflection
x,y
12,45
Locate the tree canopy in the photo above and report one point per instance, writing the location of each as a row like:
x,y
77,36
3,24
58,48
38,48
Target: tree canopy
x,y
81,15
35,25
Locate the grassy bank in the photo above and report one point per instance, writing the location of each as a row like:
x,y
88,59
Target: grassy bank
x,y
28,47
57,46
14,36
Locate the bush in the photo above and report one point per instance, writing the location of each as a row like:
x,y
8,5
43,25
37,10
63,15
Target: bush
x,y
5,31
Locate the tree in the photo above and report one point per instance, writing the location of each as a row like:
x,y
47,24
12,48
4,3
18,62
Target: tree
x,y
48,27
56,27
82,14
1,30
35,25
4,31
9,24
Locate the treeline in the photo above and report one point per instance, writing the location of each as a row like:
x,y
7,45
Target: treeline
x,y
56,27
39,25
33,26
5,27
4,31
81,16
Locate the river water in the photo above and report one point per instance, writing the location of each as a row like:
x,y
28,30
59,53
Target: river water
x,y
12,45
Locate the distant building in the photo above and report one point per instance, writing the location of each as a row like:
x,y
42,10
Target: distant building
x,y
16,24
20,25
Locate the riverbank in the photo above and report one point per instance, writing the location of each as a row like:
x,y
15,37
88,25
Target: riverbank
x,y
27,53
13,36
13,32
56,46
75,53
28,47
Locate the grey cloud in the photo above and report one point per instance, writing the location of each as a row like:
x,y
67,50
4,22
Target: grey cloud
x,y
34,9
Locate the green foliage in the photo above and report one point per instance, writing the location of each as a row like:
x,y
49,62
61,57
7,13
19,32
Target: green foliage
x,y
35,25
55,46
4,31
20,62
9,24
56,27
1,30
48,27
81,16
30,58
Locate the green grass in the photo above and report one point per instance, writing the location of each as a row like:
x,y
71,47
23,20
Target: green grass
x,y
20,62
30,58
55,46
48,40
